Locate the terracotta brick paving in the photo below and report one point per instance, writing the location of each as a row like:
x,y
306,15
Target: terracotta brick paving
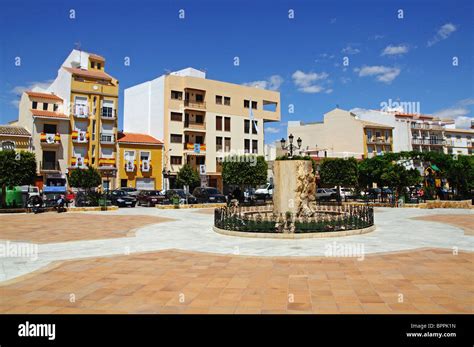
x,y
430,280
465,222
62,227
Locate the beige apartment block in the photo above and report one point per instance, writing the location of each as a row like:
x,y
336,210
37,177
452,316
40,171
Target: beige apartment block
x,y
201,121
459,141
42,115
342,134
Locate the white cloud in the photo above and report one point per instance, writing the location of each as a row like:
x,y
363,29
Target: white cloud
x,y
350,50
328,91
37,86
272,130
442,34
395,50
459,112
307,82
345,80
385,74
273,82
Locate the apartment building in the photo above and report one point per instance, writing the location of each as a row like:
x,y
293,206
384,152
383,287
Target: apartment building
x,y
140,161
42,115
200,120
90,102
342,134
14,138
458,141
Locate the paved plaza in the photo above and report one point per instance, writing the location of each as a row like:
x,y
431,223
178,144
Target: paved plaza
x,y
171,261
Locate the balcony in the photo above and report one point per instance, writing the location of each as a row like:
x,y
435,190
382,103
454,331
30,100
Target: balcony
x,y
427,142
81,111
48,139
106,162
107,113
107,139
80,136
200,105
195,147
79,163
194,126
49,166
423,126
378,140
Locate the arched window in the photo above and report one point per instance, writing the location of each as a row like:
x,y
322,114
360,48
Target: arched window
x,y
8,146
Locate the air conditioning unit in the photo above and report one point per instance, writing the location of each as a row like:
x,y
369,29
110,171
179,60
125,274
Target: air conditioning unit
x,y
145,165
129,166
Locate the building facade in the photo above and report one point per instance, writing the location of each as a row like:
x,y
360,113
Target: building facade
x,y
140,161
458,141
42,114
201,121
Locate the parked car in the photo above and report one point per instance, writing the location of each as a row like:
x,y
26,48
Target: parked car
x,y
325,194
121,198
168,195
150,198
264,192
130,191
345,192
208,195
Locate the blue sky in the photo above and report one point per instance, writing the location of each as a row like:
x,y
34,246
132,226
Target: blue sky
x,y
410,59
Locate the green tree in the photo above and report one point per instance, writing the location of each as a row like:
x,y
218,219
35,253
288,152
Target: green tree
x,y
86,179
187,176
460,175
16,169
245,170
339,172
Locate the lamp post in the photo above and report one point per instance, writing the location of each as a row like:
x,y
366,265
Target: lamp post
x,y
290,147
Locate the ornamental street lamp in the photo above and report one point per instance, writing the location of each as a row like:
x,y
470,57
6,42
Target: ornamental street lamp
x,y
291,147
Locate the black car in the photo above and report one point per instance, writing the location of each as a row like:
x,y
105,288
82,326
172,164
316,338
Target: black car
x,y
150,198
120,198
208,195
182,196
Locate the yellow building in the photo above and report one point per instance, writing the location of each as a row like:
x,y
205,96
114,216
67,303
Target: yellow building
x,y
91,101
378,139
14,137
140,161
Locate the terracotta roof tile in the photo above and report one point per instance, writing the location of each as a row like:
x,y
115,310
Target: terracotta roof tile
x,y
375,125
138,138
14,130
49,114
43,95
89,73
96,57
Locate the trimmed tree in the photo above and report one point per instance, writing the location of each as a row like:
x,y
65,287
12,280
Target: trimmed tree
x,y
187,176
245,170
339,172
16,169
85,179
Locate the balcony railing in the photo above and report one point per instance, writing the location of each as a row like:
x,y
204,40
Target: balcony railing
x,y
195,125
81,111
80,136
49,166
50,139
427,142
107,139
106,162
191,146
378,140
108,113
195,104
426,126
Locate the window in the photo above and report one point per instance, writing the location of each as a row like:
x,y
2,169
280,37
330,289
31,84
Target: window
x,y
93,129
145,155
176,116
92,64
99,66
246,103
387,135
199,119
7,146
254,105
218,123
176,95
227,124
200,160
199,98
219,99
176,138
378,134
129,155
199,139
108,108
34,106
50,128
218,144
226,100
45,106
55,107
254,146
246,126
247,146
227,144
176,160
369,135
254,129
